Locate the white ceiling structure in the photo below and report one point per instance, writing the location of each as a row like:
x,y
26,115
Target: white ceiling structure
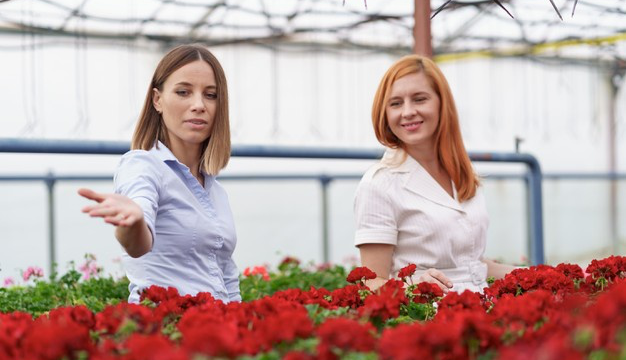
x,y
597,28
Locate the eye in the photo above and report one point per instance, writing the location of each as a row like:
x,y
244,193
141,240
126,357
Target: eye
x,y
211,95
419,99
394,104
182,92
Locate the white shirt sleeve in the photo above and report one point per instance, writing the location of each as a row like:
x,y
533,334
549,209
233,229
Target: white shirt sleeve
x,y
138,180
375,215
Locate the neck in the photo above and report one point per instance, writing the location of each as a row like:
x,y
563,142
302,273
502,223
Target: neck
x,y
425,155
188,155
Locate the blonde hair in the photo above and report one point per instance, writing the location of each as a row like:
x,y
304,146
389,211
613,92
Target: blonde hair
x,y
449,146
150,127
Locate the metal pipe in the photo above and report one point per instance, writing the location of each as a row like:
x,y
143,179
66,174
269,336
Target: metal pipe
x,y
113,147
324,182
52,255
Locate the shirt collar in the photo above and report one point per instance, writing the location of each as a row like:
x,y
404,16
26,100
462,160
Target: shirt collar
x,y
419,180
399,161
163,153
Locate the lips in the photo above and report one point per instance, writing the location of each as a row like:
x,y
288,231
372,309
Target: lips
x,y
196,124
197,121
414,125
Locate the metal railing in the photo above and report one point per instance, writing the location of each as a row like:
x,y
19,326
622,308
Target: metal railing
x,y
533,178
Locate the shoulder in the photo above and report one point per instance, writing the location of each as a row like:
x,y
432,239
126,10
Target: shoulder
x,y
479,196
215,184
378,179
139,163
139,158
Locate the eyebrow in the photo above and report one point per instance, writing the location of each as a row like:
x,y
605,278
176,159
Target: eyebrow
x,y
184,83
414,94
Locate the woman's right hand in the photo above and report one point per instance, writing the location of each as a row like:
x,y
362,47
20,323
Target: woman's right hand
x,y
435,276
115,209
119,210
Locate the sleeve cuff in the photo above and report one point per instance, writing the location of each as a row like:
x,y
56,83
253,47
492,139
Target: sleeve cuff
x,y
376,236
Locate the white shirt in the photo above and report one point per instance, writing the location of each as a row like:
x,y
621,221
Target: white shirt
x,y
191,225
404,206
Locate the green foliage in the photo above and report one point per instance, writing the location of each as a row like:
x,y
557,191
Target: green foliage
x,y
319,314
290,276
418,311
68,290
360,356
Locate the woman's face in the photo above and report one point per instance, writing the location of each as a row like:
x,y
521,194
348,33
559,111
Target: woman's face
x,y
188,103
413,111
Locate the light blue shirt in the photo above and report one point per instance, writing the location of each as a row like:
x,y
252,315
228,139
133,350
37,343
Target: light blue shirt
x,y
192,227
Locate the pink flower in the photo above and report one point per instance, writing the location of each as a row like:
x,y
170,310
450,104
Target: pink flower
x,y
32,271
8,281
89,269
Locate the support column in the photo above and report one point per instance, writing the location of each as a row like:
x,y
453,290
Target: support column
x,y
614,80
422,43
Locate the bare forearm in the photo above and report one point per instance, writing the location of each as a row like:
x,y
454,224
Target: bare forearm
x,y
135,239
497,270
377,257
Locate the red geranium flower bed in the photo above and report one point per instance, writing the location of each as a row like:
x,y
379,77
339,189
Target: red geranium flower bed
x,y
541,312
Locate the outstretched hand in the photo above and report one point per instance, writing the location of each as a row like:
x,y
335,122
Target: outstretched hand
x,y
115,209
436,277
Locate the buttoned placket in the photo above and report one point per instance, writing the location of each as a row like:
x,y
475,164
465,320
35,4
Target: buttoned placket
x,y
475,274
200,192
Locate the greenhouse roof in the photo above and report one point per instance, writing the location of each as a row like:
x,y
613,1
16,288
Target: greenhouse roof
x,y
596,29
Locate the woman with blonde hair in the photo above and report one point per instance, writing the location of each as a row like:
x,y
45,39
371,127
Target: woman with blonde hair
x,y
422,203
170,215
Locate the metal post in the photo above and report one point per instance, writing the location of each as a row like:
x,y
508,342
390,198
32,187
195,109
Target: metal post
x,y
614,79
422,43
50,181
535,216
535,206
325,181
107,147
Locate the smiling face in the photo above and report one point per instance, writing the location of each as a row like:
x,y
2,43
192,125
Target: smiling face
x,y
413,111
188,103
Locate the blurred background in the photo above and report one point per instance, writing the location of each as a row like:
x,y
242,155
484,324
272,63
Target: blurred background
x,y
531,76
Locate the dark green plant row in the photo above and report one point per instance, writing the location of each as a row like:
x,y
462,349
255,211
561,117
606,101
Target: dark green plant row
x,y
97,292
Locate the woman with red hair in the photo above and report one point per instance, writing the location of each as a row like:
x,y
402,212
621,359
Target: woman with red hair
x,y
422,203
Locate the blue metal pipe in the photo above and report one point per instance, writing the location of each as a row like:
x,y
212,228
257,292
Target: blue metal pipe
x,y
536,253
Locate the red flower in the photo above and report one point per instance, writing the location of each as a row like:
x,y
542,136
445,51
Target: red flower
x,y
427,292
407,271
298,355
55,339
385,302
345,335
348,296
212,338
404,342
110,319
79,314
360,273
153,347
288,262
571,271
455,302
157,294
257,270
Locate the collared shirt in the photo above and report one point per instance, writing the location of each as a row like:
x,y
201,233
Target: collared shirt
x,y
402,205
192,227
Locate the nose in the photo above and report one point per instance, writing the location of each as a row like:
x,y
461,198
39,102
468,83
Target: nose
x,y
198,104
408,110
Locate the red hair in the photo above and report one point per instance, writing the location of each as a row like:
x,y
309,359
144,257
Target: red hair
x,y
449,146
